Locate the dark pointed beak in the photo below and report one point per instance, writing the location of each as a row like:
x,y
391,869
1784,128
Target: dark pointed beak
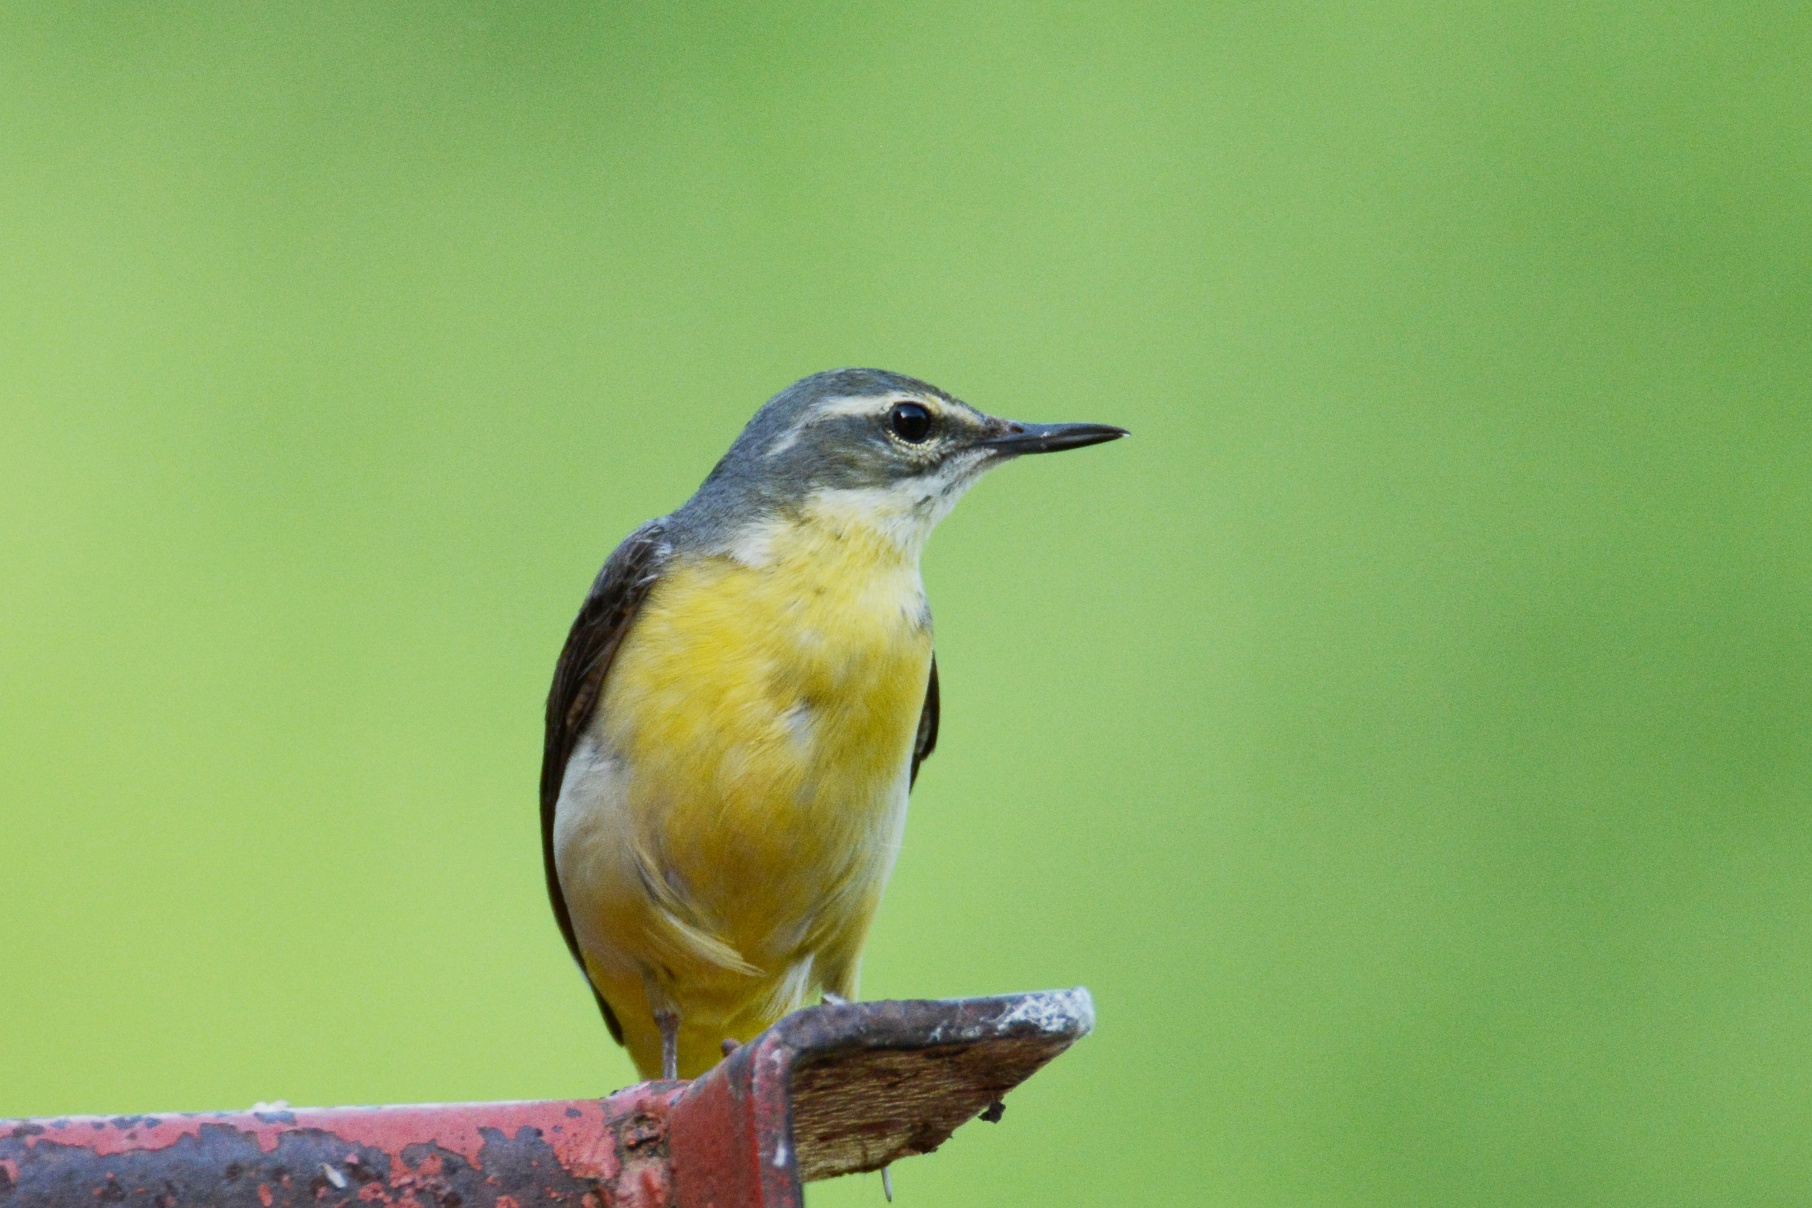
x,y
1018,438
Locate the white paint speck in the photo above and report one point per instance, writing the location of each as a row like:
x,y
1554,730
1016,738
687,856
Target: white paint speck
x,y
1056,1011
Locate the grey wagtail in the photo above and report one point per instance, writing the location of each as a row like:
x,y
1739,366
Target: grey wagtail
x,y
741,709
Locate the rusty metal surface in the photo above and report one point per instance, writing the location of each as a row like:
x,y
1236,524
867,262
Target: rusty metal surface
x,y
481,1155
825,1091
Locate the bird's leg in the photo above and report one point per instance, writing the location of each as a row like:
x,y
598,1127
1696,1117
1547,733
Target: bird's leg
x,y
668,1023
887,1183
840,975
666,1014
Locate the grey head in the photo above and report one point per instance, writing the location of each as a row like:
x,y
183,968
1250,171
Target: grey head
x,y
864,443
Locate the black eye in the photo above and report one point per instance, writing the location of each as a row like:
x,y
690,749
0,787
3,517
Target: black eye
x,y
910,421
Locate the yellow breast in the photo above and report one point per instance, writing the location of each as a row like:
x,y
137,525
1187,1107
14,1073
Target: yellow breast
x,y
766,708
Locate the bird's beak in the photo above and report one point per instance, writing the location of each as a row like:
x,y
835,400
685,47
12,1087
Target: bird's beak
x,y
1017,438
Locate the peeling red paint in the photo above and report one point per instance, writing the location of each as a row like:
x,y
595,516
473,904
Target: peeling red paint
x,y
724,1141
574,1128
398,1157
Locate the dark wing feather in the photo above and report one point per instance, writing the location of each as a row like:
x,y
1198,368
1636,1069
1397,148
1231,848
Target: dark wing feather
x,y
926,742
578,683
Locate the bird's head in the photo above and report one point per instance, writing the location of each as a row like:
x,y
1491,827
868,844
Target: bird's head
x,y
872,448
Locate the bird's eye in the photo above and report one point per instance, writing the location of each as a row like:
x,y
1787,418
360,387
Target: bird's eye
x,y
910,421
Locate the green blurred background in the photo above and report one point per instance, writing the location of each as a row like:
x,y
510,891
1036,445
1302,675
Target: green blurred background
x,y
1406,736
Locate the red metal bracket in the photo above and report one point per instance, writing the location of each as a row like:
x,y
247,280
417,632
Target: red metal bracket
x,y
826,1091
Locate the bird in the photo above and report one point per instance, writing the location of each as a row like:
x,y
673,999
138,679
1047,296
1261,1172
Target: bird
x,y
741,708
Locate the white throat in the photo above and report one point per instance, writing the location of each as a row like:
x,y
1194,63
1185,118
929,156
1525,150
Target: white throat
x,y
901,513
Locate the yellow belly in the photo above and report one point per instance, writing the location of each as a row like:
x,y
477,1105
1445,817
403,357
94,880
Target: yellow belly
x,y
764,718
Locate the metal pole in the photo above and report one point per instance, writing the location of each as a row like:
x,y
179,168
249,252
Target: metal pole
x,y
826,1091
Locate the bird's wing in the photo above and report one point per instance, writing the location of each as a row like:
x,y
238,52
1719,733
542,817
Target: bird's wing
x,y
926,742
598,630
